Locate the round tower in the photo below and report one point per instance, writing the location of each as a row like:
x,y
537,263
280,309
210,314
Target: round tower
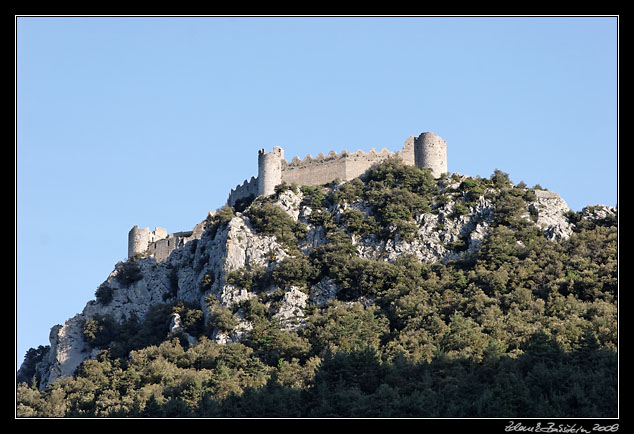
x,y
430,152
269,170
138,240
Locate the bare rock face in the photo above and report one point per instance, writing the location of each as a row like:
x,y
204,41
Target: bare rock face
x,y
291,311
598,212
437,234
551,212
177,329
68,350
232,245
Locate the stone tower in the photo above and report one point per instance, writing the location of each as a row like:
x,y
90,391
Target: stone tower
x,y
269,170
140,239
430,152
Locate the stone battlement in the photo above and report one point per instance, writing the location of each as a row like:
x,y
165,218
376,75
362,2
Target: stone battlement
x,y
332,155
427,151
244,190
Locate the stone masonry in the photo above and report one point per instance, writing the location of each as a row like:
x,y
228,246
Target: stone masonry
x,y
427,151
159,243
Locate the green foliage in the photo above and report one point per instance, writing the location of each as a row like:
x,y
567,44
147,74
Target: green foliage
x,y
220,317
243,203
270,219
285,186
525,327
224,214
472,188
207,280
356,222
394,206
104,294
314,197
191,316
119,339
209,380
271,343
254,279
500,179
99,331
32,357
294,271
395,192
343,327
128,272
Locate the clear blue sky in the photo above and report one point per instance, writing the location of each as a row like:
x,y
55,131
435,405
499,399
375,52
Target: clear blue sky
x,y
150,121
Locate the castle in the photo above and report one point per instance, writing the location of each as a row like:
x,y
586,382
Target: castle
x,y
427,151
158,242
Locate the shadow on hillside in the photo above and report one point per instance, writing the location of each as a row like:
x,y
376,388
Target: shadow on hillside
x,y
544,382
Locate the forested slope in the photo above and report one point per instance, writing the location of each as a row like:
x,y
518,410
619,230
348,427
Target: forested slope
x,y
392,295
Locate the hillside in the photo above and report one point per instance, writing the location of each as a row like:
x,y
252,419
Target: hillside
x,y
393,294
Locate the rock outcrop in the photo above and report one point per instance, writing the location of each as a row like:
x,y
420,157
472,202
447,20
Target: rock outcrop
x,y
200,268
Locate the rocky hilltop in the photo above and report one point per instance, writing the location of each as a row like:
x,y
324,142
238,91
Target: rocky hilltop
x,y
283,254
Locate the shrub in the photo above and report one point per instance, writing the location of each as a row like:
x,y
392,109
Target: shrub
x,y
346,327
351,191
285,186
460,208
243,203
99,331
393,173
357,223
472,189
314,197
500,179
129,272
269,219
294,271
191,316
205,283
33,356
220,317
256,279
225,214
104,294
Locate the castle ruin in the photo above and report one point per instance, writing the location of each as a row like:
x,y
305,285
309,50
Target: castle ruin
x,y
159,243
427,151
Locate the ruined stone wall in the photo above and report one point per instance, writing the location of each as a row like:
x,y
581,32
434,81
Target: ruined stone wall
x,y
162,248
314,171
140,239
159,243
345,166
427,151
407,153
244,190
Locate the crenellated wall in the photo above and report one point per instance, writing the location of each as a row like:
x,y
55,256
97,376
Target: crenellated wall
x,y
244,190
427,151
273,169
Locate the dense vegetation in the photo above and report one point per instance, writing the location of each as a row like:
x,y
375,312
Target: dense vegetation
x,y
524,327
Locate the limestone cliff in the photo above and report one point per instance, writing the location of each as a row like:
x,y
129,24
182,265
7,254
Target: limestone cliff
x,y
202,266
